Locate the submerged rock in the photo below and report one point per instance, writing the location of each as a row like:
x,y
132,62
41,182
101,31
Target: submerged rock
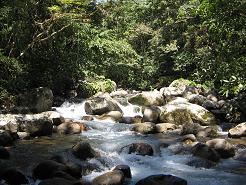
x,y
115,177
205,152
238,131
223,147
161,179
125,169
141,149
180,112
83,150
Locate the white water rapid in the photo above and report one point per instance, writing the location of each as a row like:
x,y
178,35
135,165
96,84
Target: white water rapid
x,y
110,138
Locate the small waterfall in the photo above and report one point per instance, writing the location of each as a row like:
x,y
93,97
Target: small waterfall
x,y
130,110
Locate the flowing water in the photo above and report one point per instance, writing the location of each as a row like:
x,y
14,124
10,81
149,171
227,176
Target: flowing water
x,y
110,140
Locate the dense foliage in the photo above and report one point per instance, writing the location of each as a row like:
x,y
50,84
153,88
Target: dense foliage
x,y
140,44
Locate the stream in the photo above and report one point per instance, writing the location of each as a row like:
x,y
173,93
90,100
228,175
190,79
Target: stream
x,y
110,139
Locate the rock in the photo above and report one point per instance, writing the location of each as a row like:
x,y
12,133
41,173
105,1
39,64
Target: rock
x,y
201,163
125,169
74,169
60,159
161,179
164,127
4,153
238,131
211,132
241,156
115,177
190,128
180,112
13,177
115,116
147,98
145,128
189,138
83,151
47,169
210,105
151,114
59,181
5,138
54,116
37,100
87,118
196,99
119,92
223,147
132,120
212,98
37,127
71,128
219,114
64,175
141,149
88,168
100,105
168,92
203,151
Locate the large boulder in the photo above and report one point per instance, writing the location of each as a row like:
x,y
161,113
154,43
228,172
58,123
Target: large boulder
x,y
180,111
223,147
83,151
147,98
151,114
161,179
238,131
115,177
144,128
203,151
141,149
37,100
101,105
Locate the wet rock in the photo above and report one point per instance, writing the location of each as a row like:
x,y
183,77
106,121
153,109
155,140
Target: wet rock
x,y
180,112
189,138
59,181
141,149
87,118
115,177
132,120
37,100
151,114
47,169
101,105
147,99
223,147
238,131
115,116
210,105
14,177
71,128
190,128
64,175
145,128
205,152
4,153
88,168
74,169
161,179
125,169
83,151
164,127
6,138
241,156
60,159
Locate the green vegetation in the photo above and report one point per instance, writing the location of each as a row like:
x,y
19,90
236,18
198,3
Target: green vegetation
x,y
137,44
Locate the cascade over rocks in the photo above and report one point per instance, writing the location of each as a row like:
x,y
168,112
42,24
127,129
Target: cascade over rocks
x,y
180,111
115,177
147,99
161,179
238,131
223,147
